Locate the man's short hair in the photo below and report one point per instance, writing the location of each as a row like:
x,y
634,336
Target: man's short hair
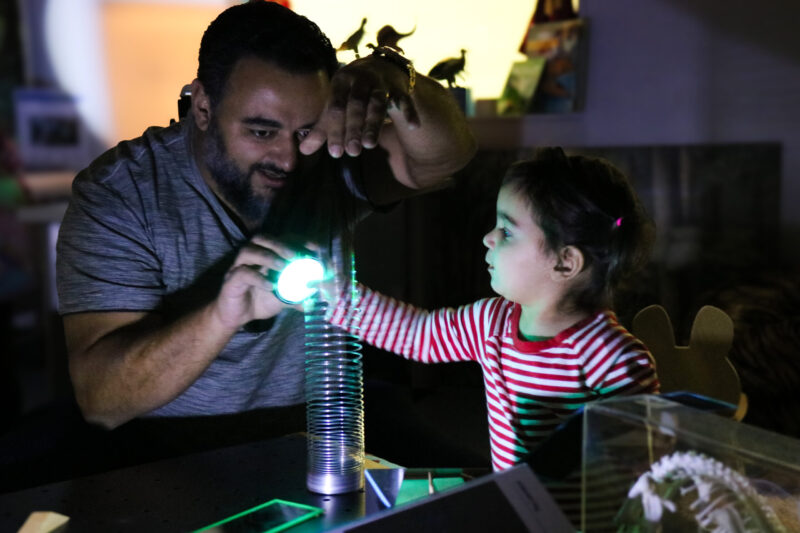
x,y
265,30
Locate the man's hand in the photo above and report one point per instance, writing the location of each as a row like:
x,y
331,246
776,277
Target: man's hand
x,y
361,94
246,293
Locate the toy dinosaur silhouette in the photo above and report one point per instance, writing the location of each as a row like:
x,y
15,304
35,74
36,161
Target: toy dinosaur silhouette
x,y
388,36
352,42
448,68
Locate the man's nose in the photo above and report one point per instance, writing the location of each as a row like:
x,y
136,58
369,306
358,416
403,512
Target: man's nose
x,y
283,153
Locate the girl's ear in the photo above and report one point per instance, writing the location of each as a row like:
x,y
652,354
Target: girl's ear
x,y
570,263
201,106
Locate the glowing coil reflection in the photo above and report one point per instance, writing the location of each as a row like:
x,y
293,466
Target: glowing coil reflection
x,y
334,404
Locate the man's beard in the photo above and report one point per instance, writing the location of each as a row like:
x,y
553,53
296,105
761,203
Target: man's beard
x,y
234,185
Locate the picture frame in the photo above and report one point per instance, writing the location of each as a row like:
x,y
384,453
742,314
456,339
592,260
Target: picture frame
x,y
50,132
562,44
520,88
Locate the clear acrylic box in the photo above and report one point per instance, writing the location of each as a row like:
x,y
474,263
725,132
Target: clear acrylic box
x,y
650,464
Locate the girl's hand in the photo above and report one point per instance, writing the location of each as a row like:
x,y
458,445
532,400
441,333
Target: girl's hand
x,y
327,288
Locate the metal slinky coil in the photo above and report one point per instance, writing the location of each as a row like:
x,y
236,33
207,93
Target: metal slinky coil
x,y
334,405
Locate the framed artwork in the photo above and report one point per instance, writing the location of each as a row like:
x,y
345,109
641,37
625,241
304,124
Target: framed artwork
x,y
49,130
520,88
562,45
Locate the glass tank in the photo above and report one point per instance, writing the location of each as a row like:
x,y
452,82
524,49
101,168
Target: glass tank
x,y
650,464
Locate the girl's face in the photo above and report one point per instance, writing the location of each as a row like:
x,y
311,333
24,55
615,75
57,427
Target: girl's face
x,y
520,265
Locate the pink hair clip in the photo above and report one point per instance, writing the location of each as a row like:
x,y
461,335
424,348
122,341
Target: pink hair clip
x,y
618,222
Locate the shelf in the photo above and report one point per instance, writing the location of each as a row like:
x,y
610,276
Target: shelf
x,y
506,133
42,186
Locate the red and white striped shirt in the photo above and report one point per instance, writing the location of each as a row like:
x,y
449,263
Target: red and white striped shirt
x,y
531,386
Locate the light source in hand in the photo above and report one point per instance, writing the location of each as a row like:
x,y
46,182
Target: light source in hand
x,y
293,281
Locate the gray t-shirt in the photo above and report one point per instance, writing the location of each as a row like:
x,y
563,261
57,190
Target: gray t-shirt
x,y
143,232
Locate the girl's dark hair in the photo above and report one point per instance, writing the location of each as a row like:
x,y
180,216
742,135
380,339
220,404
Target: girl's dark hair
x,y
265,30
587,203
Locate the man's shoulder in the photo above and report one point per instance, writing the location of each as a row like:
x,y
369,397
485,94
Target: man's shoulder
x,y
158,149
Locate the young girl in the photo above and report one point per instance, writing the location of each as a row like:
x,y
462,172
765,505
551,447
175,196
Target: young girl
x,y
568,230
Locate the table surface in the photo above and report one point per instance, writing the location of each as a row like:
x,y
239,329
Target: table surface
x,y
185,493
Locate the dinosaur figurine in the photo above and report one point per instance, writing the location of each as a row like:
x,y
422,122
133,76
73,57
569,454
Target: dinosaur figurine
x,y
388,36
352,42
448,68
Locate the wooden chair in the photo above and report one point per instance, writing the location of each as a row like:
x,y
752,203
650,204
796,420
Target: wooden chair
x,y
701,367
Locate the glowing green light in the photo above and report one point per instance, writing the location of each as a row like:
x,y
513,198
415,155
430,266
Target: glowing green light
x,y
292,285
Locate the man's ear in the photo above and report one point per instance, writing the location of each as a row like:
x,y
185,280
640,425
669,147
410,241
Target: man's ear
x,y
570,263
201,105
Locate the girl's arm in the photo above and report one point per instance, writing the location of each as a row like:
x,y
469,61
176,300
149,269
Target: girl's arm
x,y
443,335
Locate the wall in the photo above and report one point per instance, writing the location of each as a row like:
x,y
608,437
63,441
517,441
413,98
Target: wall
x,y
125,61
491,36
109,53
666,72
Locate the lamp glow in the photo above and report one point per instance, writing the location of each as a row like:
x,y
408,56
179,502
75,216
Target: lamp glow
x,y
292,285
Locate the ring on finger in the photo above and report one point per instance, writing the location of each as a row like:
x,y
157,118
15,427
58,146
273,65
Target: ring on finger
x,y
380,94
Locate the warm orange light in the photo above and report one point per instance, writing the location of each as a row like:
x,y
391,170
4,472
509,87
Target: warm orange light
x,y
150,53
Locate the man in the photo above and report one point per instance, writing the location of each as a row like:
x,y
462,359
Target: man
x,y
164,247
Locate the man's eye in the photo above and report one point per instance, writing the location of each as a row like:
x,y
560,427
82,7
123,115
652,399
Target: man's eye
x,y
263,134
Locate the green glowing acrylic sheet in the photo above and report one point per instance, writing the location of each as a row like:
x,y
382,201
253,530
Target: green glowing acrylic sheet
x,y
418,485
270,517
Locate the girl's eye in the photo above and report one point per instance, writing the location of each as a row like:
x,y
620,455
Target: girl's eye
x,y
502,234
302,134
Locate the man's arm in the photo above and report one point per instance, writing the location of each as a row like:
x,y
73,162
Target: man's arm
x,y
427,137
125,364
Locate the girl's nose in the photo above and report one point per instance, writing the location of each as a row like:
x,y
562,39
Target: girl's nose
x,y
488,240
